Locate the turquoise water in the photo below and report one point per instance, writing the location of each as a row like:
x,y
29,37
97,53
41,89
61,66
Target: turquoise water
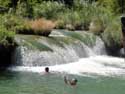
x,y
36,83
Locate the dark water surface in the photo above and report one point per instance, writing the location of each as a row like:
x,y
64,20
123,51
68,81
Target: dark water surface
x,y
34,83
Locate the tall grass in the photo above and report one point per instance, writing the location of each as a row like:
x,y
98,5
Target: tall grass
x,y
70,17
48,9
79,16
37,26
83,13
41,25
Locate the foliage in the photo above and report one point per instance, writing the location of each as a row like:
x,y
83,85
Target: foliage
x,y
48,9
109,4
79,15
96,26
114,5
6,37
112,35
82,14
24,9
5,3
69,18
11,22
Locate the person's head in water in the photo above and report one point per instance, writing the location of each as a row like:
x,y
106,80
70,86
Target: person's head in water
x,y
73,81
46,69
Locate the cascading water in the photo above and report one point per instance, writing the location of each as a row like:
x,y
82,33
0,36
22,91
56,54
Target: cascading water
x,y
95,65
67,54
99,47
63,50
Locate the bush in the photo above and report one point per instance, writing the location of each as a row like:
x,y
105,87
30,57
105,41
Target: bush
x,y
11,22
69,20
38,26
113,5
27,26
93,11
6,37
96,26
82,14
78,17
5,3
48,9
112,35
24,9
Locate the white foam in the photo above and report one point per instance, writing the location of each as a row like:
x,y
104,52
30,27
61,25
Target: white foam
x,y
99,65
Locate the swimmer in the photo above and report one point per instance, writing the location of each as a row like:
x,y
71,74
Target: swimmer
x,y
47,69
71,82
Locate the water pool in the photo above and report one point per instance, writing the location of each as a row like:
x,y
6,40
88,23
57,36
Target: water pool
x,y
35,83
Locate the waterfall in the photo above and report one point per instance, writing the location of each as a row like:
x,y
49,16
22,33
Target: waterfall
x,y
24,56
99,47
65,53
59,50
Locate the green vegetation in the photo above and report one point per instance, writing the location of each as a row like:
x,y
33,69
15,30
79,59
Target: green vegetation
x,y
49,10
6,37
97,16
112,35
5,3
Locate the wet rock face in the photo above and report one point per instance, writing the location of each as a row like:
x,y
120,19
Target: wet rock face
x,y
5,56
115,51
122,52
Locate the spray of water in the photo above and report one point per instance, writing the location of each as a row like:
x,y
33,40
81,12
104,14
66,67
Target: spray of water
x,y
74,58
96,65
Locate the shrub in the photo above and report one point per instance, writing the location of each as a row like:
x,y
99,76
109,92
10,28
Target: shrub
x,y
113,5
26,26
11,22
48,9
69,20
6,37
38,26
112,35
24,9
42,25
96,26
83,13
5,3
